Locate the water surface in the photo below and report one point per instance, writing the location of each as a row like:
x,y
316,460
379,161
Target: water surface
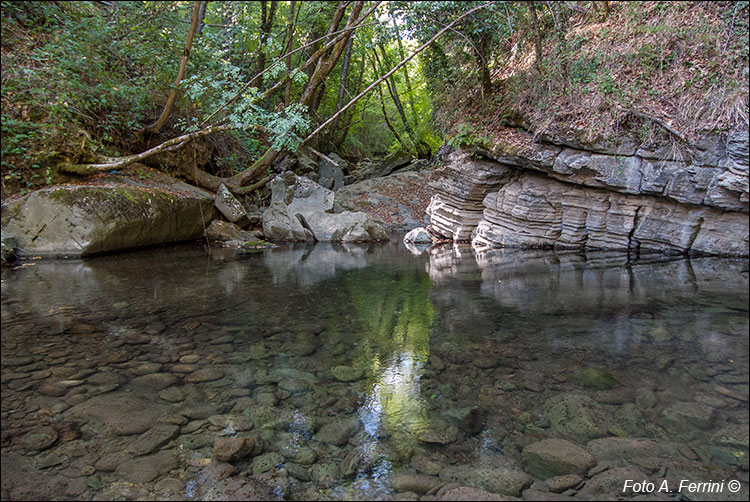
x,y
367,372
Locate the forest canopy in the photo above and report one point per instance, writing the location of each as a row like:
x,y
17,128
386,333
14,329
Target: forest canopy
x,y
237,86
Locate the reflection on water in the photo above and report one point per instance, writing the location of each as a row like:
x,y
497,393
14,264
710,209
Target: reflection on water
x,y
397,315
353,369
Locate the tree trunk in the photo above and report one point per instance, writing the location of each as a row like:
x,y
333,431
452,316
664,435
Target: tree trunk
x,y
537,35
347,122
559,21
344,73
181,73
485,77
393,91
201,17
107,163
266,25
290,36
325,64
382,107
409,91
342,82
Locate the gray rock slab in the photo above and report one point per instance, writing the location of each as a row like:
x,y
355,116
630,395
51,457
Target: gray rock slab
x,y
122,213
231,207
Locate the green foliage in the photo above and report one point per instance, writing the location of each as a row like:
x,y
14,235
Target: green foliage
x,y
80,66
585,69
288,126
467,136
19,165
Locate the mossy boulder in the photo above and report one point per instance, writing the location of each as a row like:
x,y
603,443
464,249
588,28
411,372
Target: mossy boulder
x,y
554,457
109,213
594,377
578,417
347,373
506,481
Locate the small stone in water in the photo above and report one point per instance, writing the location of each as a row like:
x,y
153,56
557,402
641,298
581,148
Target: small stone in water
x,y
17,361
346,373
229,449
172,394
147,368
51,389
170,485
266,462
486,362
205,375
237,422
40,438
182,368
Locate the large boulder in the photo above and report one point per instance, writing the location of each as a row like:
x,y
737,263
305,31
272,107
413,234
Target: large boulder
x,y
310,210
345,227
279,224
310,197
8,248
110,213
232,209
383,167
329,175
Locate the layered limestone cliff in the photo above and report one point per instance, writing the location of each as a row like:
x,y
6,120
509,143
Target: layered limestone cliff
x,y
560,193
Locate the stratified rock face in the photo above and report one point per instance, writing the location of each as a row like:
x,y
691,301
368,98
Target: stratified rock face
x,y
538,212
538,195
119,214
456,207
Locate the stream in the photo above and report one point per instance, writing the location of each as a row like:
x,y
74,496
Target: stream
x,y
369,372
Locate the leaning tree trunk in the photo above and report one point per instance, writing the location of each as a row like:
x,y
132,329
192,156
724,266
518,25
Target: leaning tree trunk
x,y
181,73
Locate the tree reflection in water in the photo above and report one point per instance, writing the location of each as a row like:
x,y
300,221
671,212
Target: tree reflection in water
x,y
396,316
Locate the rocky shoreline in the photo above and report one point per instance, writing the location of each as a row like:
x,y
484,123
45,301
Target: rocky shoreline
x,y
529,194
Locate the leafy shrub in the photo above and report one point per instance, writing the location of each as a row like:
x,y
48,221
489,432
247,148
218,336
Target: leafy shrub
x,y
468,136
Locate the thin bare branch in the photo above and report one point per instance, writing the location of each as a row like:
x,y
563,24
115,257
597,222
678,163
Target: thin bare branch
x,y
120,162
394,70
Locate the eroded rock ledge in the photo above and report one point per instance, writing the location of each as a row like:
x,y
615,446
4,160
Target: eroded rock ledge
x,y
522,193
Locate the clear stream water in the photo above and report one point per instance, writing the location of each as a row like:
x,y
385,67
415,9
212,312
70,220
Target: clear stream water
x,y
369,372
